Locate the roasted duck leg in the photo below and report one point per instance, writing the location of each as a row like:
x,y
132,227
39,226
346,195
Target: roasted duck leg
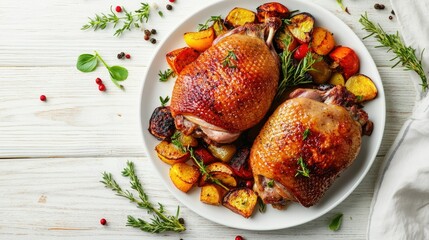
x,y
306,144
230,86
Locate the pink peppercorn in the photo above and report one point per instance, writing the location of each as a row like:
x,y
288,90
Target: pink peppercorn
x,y
103,221
42,98
118,9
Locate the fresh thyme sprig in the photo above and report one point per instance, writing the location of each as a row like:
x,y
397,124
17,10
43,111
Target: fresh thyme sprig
x,y
130,20
302,170
213,19
175,139
160,222
164,101
204,171
164,76
294,74
405,55
227,61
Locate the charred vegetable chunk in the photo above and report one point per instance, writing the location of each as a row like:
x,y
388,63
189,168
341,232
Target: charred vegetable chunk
x,y
179,58
322,72
240,163
202,154
241,201
346,59
161,123
272,9
301,26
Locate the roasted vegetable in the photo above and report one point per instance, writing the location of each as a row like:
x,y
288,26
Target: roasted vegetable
x,y
212,194
241,201
204,155
337,79
224,178
184,176
179,58
301,26
161,123
282,36
239,16
301,51
322,41
170,153
346,59
223,152
240,163
201,40
272,9
219,167
322,72
219,28
187,141
362,87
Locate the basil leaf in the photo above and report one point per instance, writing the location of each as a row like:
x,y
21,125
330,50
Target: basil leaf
x,y
336,222
86,62
118,73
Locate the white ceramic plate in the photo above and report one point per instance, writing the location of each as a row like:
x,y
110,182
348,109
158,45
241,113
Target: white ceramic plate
x,y
272,218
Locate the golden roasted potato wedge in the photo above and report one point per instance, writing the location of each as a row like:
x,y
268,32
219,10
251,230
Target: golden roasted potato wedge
x,y
170,153
179,58
241,201
212,194
188,141
220,167
240,16
362,87
271,9
337,79
346,59
223,152
224,178
301,26
184,176
322,41
201,40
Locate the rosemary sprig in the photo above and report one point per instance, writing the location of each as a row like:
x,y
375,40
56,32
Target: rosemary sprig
x,y
405,55
164,101
227,61
130,20
204,172
164,76
294,74
160,222
302,170
213,19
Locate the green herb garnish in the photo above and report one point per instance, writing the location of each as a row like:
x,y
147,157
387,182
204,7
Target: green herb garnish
x,y
270,183
130,20
175,139
336,222
159,221
164,101
294,74
88,63
164,76
212,19
302,170
160,13
227,60
405,55
262,205
306,133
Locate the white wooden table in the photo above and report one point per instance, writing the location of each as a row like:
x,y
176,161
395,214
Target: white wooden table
x,y
52,153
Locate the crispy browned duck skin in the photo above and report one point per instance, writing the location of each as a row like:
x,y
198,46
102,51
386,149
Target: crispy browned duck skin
x,y
230,95
332,144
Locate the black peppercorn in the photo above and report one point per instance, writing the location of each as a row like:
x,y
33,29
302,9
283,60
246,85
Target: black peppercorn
x,y
169,7
181,220
390,17
153,31
153,40
379,6
121,55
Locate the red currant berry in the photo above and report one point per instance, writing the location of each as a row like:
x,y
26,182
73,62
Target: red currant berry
x,y
239,237
118,9
98,81
172,1
249,184
128,56
101,87
103,221
42,98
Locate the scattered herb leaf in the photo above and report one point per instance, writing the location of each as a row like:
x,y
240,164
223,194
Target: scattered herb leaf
x,y
130,20
302,170
270,183
306,133
336,222
405,55
212,19
159,221
164,76
86,63
160,13
164,101
262,205
227,60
